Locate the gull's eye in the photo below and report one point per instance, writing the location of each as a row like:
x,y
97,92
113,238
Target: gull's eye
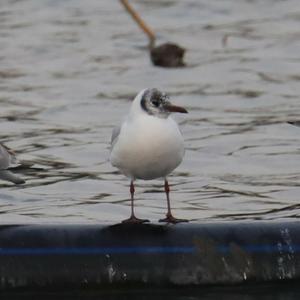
x,y
155,102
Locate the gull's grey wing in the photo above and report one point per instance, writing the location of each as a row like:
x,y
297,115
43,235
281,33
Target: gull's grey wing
x,y
114,136
6,157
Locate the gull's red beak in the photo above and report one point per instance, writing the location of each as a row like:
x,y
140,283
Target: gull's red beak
x,y
173,108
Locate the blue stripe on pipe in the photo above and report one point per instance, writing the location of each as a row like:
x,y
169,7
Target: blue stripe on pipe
x,y
224,249
95,250
277,248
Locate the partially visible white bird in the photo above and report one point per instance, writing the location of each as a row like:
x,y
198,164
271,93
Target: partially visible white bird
x,y
7,160
296,123
148,144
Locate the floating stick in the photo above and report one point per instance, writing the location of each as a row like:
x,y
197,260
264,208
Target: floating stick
x,y
140,22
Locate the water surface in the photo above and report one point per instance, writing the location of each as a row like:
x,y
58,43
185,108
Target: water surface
x,y
69,69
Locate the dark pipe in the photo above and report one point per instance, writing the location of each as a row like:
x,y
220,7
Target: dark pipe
x,y
79,256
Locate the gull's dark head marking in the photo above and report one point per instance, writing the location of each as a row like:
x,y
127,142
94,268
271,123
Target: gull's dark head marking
x,y
156,103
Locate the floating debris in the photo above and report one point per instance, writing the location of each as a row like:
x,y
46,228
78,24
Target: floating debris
x,y
167,55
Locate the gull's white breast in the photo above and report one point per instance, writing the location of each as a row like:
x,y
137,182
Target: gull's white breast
x,y
148,147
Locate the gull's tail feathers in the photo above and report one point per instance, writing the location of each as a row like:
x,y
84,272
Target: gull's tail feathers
x,y
9,176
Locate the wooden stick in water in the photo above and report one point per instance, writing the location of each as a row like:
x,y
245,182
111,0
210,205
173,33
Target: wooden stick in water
x,y
140,22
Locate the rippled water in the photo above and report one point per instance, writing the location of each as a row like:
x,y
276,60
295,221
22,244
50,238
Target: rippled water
x,y
69,69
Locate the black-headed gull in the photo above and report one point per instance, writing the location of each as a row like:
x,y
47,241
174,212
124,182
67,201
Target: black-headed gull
x,y
7,160
148,144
